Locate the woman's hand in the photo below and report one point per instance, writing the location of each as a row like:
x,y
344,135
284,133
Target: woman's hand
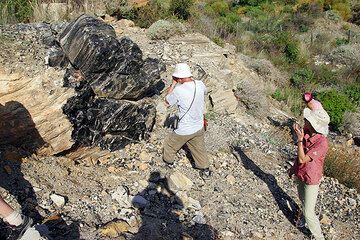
x,y
299,132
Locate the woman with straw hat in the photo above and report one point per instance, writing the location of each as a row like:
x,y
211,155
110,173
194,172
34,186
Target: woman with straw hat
x,y
312,147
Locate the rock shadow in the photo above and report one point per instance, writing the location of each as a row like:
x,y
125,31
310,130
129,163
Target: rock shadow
x,y
19,138
285,203
160,214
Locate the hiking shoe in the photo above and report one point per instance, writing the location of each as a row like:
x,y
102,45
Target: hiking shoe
x,y
205,173
16,232
300,223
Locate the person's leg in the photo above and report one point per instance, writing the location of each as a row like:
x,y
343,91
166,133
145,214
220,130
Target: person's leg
x,y
301,189
19,224
198,151
9,215
300,222
5,209
172,144
310,197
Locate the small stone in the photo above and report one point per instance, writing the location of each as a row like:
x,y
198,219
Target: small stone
x,y
121,196
352,202
58,200
257,235
37,189
349,142
231,179
144,156
112,169
227,233
325,220
139,201
193,203
178,181
114,229
143,166
199,218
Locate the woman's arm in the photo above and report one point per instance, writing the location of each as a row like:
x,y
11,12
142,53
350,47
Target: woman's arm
x,y
302,157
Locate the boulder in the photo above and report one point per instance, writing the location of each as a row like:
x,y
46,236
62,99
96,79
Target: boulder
x,y
30,111
113,82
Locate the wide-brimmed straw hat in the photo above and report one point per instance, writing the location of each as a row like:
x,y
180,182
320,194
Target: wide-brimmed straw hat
x,y
319,120
182,70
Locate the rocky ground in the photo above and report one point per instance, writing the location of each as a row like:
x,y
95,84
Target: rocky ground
x,y
91,193
131,194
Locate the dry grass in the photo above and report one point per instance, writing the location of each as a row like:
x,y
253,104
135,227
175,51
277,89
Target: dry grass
x,y
343,163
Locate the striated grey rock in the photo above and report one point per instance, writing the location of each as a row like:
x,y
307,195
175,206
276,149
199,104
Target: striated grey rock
x,y
114,69
107,123
107,73
90,45
57,58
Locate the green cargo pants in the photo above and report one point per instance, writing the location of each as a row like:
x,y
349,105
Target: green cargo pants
x,y
195,142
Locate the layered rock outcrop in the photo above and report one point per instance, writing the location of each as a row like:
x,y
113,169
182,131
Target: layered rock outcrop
x,y
113,81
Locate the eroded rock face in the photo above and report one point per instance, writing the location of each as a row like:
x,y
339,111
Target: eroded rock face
x,y
111,108
30,112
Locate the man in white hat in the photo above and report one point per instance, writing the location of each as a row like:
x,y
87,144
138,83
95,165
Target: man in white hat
x,y
308,167
188,95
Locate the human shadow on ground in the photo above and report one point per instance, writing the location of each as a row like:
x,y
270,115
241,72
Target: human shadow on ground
x,y
285,203
160,214
19,139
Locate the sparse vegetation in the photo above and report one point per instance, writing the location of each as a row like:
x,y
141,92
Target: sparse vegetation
x,y
13,11
164,29
343,163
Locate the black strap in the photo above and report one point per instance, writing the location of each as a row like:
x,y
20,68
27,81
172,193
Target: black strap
x,y
191,102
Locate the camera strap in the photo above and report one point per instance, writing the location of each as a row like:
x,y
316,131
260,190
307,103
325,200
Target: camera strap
x,y
191,102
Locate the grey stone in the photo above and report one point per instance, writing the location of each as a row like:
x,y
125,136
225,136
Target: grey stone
x,y
58,200
139,201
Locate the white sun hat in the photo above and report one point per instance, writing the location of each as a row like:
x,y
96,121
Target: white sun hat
x,y
182,70
319,120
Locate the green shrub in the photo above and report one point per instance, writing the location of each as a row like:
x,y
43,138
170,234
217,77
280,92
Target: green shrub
x,y
228,24
302,78
148,14
251,2
326,76
218,8
312,10
352,91
341,41
181,8
13,11
355,14
343,9
302,22
164,29
279,95
254,12
288,45
292,97
335,104
292,51
219,41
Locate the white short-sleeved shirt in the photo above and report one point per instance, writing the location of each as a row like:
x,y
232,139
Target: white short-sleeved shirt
x,y
182,96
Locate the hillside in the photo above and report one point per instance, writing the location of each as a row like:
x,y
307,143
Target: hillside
x,y
89,193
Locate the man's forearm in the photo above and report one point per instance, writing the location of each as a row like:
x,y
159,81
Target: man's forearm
x,y
171,88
